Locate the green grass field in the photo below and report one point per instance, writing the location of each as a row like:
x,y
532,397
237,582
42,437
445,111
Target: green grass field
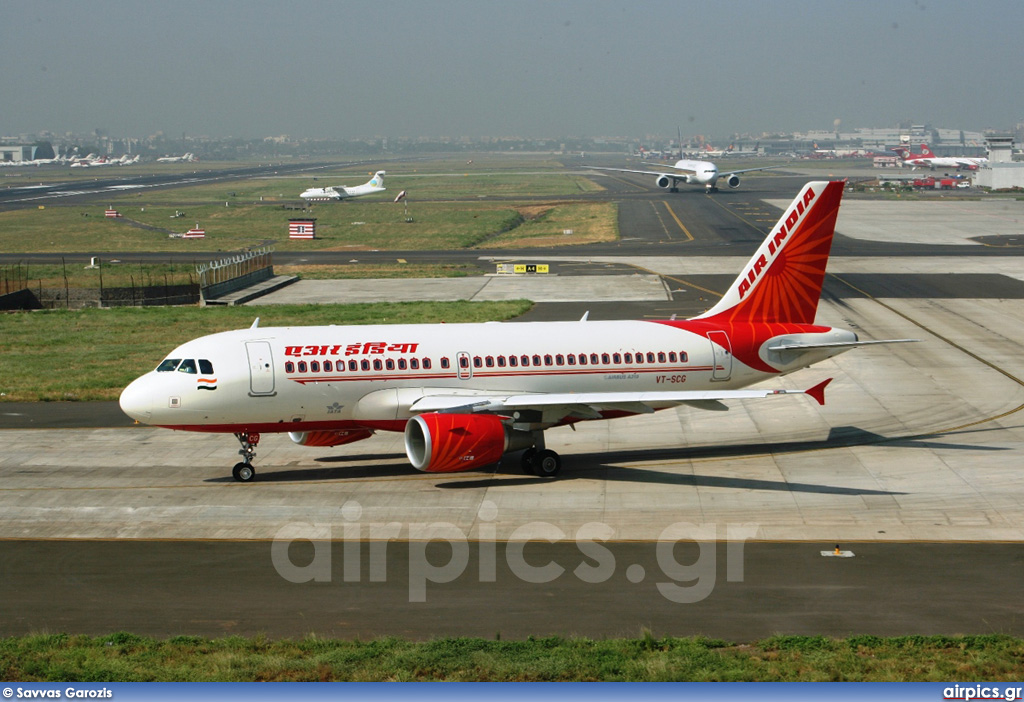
x,y
92,354
125,657
450,209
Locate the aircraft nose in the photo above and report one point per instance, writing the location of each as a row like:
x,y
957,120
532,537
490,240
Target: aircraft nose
x,y
136,401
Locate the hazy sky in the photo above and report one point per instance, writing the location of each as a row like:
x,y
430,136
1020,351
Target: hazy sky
x,y
344,69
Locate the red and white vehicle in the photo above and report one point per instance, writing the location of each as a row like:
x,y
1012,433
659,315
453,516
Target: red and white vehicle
x,y
466,394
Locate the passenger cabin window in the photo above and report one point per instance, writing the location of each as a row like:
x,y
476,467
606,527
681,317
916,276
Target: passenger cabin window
x,y
426,364
414,363
187,366
353,366
328,366
168,364
289,367
302,366
314,366
445,363
683,358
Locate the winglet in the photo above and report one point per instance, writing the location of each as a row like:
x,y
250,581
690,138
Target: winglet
x,y
818,391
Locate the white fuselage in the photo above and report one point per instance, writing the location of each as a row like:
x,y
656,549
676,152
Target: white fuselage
x,y
308,378
703,172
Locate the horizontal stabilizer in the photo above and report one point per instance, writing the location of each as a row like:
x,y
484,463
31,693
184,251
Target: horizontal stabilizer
x,y
837,344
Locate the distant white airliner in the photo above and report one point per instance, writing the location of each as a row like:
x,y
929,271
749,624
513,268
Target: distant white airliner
x,y
340,192
467,394
184,158
692,173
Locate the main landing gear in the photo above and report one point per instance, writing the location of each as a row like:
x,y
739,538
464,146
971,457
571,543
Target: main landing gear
x,y
244,472
541,461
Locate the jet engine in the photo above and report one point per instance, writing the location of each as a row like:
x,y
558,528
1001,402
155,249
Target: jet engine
x,y
733,181
663,181
446,443
329,438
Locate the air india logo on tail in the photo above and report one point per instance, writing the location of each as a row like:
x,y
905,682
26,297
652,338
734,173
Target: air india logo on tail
x,y
782,280
776,241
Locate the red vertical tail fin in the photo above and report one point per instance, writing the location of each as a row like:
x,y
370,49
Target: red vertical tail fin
x,y
782,282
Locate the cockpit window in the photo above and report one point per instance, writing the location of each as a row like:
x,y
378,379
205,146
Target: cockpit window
x,y
168,364
205,367
187,366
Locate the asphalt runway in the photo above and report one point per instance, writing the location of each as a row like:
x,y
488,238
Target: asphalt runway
x,y
735,592
912,465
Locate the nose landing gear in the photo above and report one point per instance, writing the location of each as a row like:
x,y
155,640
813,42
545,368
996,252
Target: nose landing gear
x,y
244,472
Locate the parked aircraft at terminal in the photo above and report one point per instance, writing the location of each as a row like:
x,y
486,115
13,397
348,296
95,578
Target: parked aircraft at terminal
x,y
467,394
340,192
691,172
928,159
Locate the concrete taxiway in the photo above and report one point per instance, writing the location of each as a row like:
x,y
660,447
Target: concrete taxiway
x,y
913,464
916,441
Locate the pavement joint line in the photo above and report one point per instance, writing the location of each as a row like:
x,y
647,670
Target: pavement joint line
x,y
951,343
689,236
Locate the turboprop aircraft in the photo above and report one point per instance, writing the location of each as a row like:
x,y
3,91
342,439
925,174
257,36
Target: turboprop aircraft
x,y
340,192
692,173
467,394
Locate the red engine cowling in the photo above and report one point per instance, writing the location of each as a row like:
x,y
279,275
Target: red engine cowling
x,y
329,438
446,443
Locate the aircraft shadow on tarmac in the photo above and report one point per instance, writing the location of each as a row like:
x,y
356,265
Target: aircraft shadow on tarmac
x,y
607,465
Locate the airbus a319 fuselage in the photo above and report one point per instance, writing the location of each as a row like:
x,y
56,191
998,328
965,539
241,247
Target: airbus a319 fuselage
x,y
467,394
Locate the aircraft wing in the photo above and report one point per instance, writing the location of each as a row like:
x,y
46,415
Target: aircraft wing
x,y
729,171
673,174
589,405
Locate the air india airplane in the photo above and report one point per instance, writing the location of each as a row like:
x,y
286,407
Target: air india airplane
x,y
467,394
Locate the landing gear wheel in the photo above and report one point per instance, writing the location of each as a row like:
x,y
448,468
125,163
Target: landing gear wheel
x,y
243,472
527,460
546,463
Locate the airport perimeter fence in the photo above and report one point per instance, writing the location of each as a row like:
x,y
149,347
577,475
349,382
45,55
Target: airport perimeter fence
x,y
19,290
27,288
227,275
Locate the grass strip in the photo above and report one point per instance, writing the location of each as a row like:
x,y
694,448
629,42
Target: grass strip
x,y
126,657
